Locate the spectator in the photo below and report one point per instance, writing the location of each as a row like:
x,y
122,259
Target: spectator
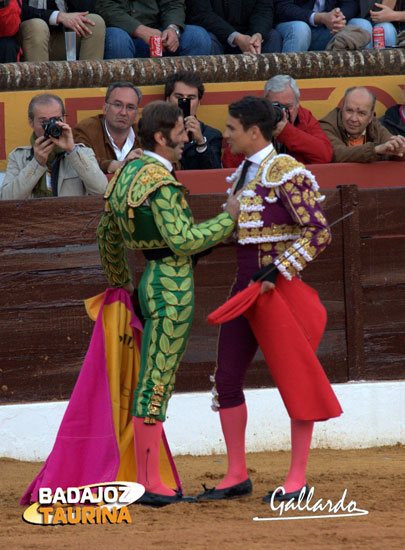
x,y
43,24
356,135
9,49
298,133
10,18
112,135
51,166
241,26
310,24
203,151
384,15
130,25
394,118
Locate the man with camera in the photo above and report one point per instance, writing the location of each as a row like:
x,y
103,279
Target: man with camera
x,y
53,165
203,151
112,135
297,132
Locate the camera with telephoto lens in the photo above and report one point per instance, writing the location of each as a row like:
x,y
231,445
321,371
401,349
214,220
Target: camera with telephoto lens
x,y
51,129
279,108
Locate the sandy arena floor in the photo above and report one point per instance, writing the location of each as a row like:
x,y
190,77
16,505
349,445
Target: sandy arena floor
x,y
374,478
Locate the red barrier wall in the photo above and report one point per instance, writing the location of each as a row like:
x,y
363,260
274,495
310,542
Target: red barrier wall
x,y
328,176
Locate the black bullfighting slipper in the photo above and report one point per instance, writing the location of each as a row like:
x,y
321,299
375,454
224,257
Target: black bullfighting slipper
x,y
287,496
239,490
156,500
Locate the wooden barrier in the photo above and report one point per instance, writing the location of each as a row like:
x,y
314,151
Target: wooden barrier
x,y
329,176
50,264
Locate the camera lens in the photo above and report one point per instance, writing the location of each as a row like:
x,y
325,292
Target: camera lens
x,y
51,129
54,131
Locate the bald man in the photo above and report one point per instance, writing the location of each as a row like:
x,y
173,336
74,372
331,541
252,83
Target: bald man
x,y
356,135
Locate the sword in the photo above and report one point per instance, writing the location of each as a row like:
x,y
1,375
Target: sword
x,y
271,269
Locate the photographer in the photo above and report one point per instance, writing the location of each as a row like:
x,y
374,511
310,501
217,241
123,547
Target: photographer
x,y
297,133
53,165
203,151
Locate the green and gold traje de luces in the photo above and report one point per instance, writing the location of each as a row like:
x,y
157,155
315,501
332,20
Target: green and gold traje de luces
x,y
146,209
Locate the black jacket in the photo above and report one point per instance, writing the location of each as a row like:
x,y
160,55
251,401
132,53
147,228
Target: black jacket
x,y
223,17
211,158
301,10
393,122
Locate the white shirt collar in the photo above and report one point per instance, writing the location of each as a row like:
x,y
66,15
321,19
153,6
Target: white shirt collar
x,y
164,161
129,143
258,157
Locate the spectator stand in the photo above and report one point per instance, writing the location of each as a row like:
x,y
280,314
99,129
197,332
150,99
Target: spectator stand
x,y
322,77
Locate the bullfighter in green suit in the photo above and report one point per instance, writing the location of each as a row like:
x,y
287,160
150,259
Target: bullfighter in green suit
x,y
146,210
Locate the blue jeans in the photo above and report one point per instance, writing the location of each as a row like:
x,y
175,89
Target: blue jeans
x,y
298,36
119,44
272,43
390,32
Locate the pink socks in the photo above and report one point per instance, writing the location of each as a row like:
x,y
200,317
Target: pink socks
x,y
301,435
147,438
233,422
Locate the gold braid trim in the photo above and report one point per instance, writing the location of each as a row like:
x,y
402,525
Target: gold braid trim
x,y
112,183
147,180
155,403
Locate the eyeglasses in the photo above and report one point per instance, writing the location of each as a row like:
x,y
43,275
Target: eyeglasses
x,y
118,106
46,120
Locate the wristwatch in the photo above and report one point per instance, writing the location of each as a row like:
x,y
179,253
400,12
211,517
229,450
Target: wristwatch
x,y
176,30
202,146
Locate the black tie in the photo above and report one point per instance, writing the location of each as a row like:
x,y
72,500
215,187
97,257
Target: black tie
x,y
242,176
55,175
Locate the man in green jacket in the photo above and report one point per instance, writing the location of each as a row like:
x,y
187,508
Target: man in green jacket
x,y
130,25
146,210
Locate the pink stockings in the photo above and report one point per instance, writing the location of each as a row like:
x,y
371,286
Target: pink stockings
x,y
301,435
147,438
233,422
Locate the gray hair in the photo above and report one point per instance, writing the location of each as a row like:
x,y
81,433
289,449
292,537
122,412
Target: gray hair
x,y
44,99
122,84
279,83
353,88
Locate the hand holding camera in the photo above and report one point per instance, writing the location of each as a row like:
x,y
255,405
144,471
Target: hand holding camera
x,y
42,147
282,117
55,133
65,140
